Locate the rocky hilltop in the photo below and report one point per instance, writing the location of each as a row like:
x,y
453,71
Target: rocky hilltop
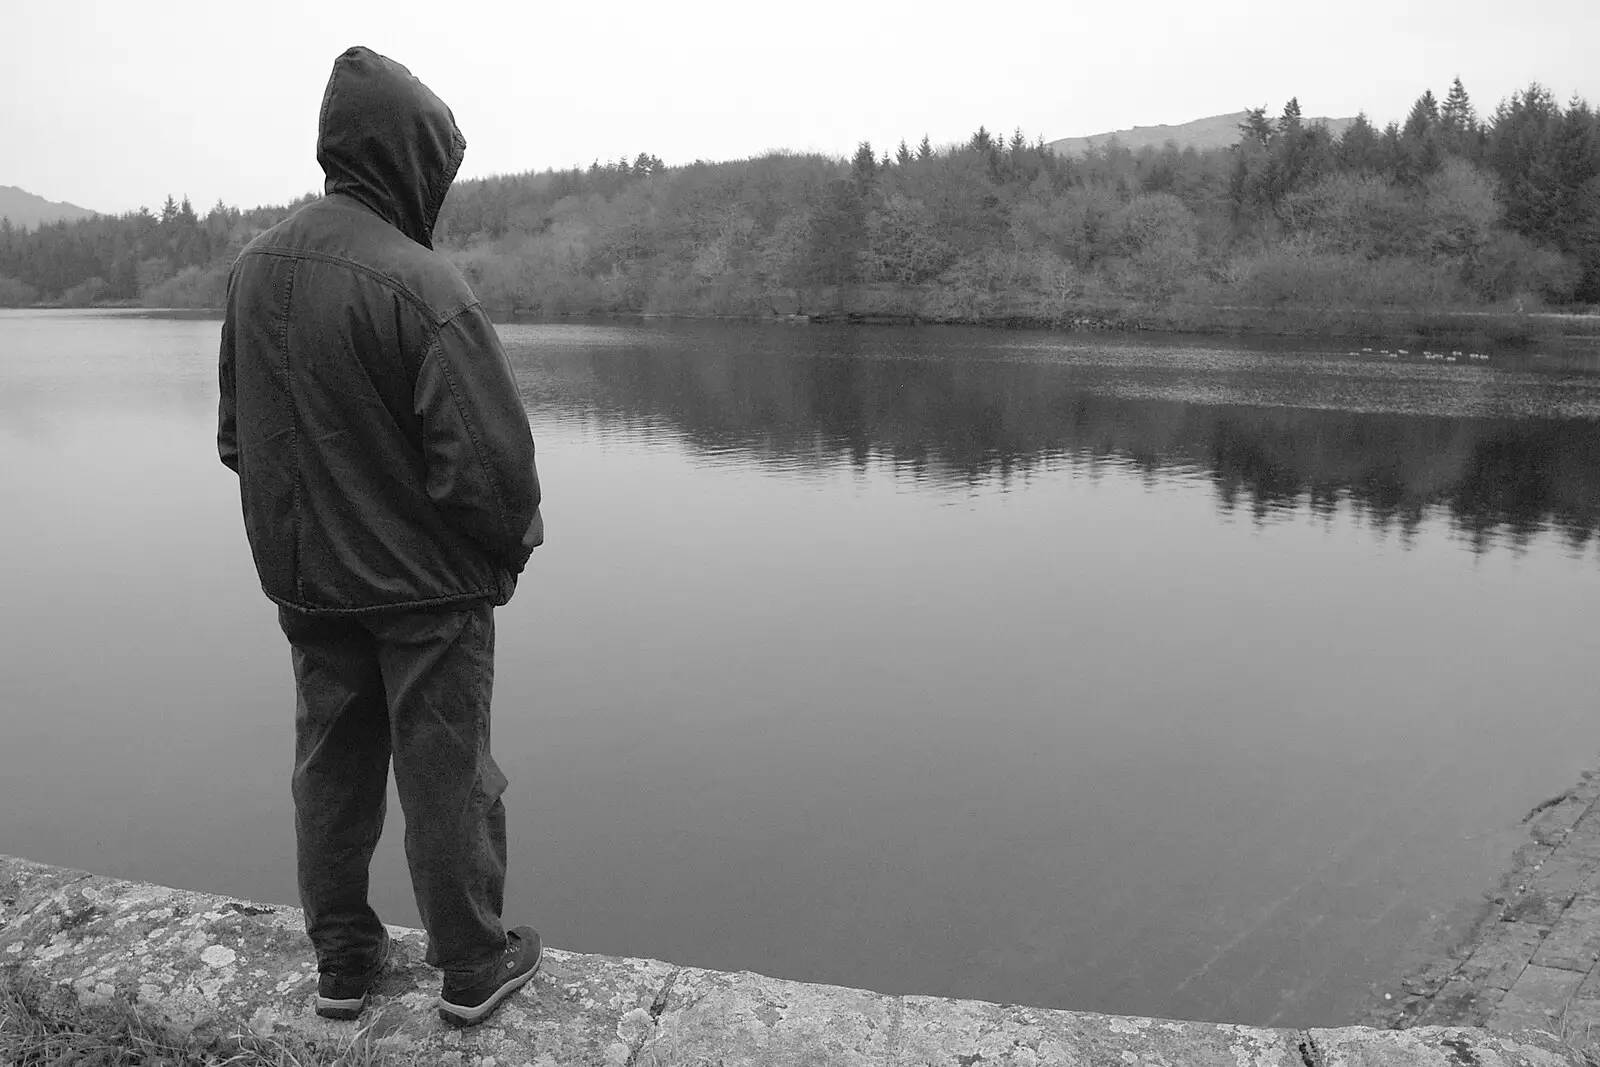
x,y
27,210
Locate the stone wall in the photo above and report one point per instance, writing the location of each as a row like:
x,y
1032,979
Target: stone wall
x,y
206,962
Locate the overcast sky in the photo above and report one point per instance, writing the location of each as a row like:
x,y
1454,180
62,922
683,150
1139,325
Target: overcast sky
x,y
111,105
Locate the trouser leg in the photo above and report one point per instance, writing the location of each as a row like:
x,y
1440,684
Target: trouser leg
x,y
438,669
341,773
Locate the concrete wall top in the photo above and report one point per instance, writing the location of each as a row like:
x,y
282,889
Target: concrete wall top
x,y
202,961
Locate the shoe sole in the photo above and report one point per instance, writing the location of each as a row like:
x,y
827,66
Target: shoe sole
x,y
461,1015
352,1007
341,1009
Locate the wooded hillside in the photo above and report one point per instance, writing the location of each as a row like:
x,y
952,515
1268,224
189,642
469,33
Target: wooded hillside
x,y
1441,211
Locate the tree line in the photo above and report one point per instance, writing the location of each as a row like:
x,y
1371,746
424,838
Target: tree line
x,y
176,258
1443,210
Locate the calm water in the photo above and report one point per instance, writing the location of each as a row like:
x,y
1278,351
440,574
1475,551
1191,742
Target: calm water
x,y
1175,677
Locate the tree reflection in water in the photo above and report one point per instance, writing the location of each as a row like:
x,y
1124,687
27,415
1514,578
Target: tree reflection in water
x,y
1503,454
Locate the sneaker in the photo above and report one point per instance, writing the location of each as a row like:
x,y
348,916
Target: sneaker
x,y
344,996
473,1004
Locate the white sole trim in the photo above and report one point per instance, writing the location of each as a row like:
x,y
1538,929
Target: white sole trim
x,y
465,1016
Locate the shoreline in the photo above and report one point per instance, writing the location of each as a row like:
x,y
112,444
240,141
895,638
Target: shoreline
x,y
1446,328
1528,952
1477,327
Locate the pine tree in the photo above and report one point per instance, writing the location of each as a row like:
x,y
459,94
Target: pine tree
x,y
1291,153
1521,137
1419,141
1457,115
1253,183
1459,131
925,149
864,167
1256,126
1357,150
1289,124
1575,154
1576,150
1424,117
1389,150
902,155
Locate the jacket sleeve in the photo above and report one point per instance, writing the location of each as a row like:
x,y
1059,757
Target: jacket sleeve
x,y
476,441
227,410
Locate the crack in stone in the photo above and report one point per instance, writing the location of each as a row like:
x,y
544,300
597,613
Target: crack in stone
x,y
658,1005
1310,1055
248,909
897,1012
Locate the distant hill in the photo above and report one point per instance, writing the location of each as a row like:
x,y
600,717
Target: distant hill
x,y
26,210
1218,131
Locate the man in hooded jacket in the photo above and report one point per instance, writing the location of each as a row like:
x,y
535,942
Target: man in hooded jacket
x,y
386,472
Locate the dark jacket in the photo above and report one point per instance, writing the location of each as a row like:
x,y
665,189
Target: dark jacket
x,y
383,453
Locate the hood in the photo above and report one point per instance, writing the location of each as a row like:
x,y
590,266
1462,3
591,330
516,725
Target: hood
x,y
387,141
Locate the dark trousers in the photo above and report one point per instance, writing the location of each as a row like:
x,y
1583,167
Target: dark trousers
x,y
413,686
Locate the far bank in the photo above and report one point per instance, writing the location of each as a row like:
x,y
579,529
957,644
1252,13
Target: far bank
x,y
1451,331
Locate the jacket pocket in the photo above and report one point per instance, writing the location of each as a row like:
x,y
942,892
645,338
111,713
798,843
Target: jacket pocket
x,y
491,782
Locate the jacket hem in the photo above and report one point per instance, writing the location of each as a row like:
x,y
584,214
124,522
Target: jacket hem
x,y
421,604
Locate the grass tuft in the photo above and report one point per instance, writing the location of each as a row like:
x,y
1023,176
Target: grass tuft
x,y
34,1033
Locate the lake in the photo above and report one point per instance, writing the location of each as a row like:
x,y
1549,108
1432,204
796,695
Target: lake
x,y
1174,676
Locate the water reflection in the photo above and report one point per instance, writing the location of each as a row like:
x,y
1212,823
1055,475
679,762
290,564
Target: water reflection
x,y
1503,454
